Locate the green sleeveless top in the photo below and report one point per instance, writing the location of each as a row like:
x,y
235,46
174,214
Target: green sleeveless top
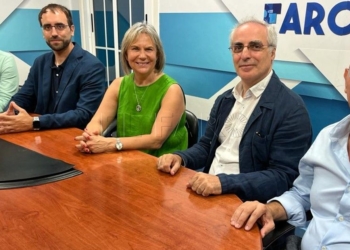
x,y
130,122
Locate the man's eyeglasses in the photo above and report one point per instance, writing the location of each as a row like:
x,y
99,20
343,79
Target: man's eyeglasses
x,y
58,27
252,46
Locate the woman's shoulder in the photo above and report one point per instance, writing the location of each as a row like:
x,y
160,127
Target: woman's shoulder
x,y
164,82
123,80
117,83
168,79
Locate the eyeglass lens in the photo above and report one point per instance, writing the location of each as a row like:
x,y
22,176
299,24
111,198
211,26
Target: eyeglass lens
x,y
58,27
253,45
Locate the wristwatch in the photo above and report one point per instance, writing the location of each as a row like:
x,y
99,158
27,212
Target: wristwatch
x,y
36,123
119,145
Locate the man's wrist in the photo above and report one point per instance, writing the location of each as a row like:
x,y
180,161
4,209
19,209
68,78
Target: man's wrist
x,y
277,210
180,158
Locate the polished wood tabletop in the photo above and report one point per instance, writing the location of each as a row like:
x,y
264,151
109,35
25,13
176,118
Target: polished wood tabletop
x,y
121,201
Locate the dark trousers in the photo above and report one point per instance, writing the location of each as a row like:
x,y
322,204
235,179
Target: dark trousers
x,y
293,243
289,241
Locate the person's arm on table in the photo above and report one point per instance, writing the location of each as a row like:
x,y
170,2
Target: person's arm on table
x,y
10,122
92,88
291,138
288,145
291,205
169,163
251,212
196,156
205,184
168,117
201,183
104,115
107,110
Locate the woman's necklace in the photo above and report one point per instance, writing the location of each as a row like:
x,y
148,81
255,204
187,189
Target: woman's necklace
x,y
138,106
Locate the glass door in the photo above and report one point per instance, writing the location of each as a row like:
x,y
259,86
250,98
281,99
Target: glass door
x,y
108,29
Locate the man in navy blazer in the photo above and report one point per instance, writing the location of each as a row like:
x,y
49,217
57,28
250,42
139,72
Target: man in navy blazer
x,y
257,131
64,87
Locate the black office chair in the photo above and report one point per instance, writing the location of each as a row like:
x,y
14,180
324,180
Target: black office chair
x,y
191,126
111,130
276,239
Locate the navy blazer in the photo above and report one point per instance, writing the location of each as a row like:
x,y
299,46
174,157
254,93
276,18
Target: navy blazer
x,y
80,92
277,135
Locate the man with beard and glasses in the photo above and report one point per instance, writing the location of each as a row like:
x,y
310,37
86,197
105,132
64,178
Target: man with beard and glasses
x,y
64,87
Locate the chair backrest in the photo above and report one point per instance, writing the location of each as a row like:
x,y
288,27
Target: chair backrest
x,y
276,239
111,130
192,128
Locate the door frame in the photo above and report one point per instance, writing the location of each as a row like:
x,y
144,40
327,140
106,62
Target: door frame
x,y
86,26
87,31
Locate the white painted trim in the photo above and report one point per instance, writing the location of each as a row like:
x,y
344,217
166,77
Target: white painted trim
x,y
193,6
87,35
152,11
7,7
116,38
151,8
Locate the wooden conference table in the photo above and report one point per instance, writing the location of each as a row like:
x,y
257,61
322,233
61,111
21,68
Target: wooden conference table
x,y
121,201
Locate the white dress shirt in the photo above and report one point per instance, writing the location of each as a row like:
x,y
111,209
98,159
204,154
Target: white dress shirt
x,y
323,185
226,160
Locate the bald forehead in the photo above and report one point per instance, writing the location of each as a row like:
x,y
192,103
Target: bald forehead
x,y
252,26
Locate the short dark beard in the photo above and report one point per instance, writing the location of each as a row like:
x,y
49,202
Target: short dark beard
x,y
62,47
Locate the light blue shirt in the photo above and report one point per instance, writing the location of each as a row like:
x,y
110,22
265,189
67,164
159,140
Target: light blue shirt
x,y
323,185
8,79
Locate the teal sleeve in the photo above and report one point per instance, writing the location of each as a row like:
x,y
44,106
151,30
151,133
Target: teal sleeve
x,y
8,79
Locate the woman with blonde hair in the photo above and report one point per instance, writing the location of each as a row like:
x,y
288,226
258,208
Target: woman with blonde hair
x,y
149,104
